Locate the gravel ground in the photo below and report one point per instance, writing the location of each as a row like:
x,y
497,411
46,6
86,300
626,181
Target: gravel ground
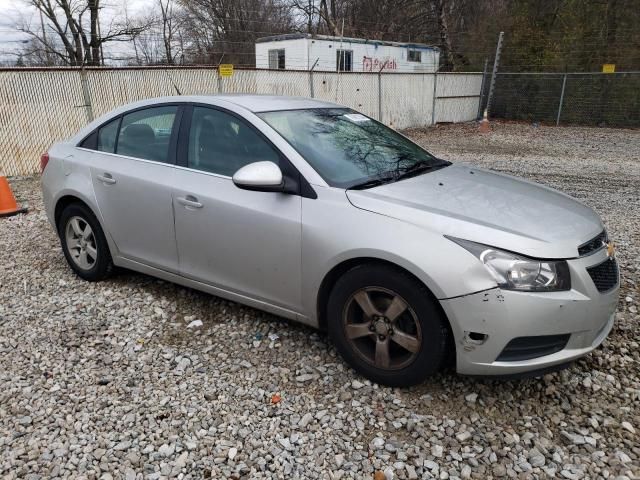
x,y
107,380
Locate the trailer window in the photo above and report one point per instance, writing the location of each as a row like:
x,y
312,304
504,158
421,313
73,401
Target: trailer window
x,y
276,59
414,56
344,60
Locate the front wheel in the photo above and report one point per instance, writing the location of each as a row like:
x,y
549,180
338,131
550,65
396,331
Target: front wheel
x,y
386,325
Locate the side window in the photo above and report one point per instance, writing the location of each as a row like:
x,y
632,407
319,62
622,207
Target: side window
x,y
221,143
414,56
276,59
107,136
91,141
344,60
147,133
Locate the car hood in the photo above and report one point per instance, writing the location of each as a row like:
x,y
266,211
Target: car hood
x,y
487,207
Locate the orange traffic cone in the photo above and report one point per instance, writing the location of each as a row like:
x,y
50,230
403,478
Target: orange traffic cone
x,y
8,204
484,123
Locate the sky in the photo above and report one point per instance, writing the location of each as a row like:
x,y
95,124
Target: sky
x,y
12,11
9,37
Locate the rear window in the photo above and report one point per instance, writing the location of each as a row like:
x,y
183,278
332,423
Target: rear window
x,y
142,134
147,133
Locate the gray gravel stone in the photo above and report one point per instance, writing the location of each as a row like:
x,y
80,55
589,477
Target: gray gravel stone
x,y
105,380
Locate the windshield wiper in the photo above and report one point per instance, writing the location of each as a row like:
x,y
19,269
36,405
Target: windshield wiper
x,y
415,169
421,167
374,182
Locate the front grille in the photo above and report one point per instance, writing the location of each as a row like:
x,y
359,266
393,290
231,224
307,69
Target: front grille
x,y
593,245
604,275
526,348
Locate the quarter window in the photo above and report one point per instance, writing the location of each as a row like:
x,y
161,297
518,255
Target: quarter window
x,y
107,136
147,133
222,143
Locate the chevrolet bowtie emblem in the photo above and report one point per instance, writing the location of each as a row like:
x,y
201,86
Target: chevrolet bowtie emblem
x,y
611,249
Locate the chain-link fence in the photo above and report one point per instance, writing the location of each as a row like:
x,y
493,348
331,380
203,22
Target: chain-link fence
x,y
601,99
41,106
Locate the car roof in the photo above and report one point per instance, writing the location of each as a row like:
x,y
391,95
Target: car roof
x,y
253,103
268,103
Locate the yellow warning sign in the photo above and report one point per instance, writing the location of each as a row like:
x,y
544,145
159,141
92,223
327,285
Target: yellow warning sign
x,y
226,70
609,68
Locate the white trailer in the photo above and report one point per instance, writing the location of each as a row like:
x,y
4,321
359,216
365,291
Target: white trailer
x,y
324,53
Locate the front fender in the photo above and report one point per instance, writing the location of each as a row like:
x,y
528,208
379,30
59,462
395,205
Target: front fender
x,y
334,231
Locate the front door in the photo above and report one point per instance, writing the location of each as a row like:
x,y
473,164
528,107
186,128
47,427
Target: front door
x,y
242,241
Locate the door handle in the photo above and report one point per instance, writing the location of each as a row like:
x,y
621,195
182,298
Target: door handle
x,y
189,201
106,178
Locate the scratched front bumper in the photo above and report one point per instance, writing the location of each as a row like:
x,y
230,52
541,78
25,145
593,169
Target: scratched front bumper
x,y
502,315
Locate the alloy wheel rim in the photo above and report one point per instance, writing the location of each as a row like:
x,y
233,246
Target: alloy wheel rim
x,y
382,328
81,243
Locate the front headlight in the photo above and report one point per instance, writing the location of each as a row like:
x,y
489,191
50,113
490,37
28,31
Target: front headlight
x,y
516,272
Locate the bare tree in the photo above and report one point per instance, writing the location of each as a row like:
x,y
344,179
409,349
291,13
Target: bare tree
x,y
440,13
329,13
216,29
172,19
76,36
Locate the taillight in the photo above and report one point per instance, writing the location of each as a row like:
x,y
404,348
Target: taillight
x,y
44,160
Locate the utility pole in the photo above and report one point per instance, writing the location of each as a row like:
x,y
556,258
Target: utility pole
x,y
44,40
100,40
496,62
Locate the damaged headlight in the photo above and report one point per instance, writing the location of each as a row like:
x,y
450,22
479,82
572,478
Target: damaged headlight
x,y
516,272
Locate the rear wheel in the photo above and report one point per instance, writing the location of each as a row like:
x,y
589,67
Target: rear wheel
x,y
386,325
83,243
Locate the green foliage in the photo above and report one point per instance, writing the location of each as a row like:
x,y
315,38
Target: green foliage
x,y
556,35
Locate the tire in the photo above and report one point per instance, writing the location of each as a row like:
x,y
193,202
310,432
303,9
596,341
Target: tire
x,y
95,244
362,339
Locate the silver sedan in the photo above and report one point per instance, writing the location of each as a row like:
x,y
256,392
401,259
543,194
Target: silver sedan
x,y
317,213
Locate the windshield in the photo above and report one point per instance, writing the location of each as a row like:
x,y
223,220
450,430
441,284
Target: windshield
x,y
347,148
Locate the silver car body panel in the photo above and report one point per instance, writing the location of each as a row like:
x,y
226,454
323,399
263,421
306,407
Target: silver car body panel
x,y
272,251
244,241
140,192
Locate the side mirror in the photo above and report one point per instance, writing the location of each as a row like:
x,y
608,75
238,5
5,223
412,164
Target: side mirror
x,y
259,176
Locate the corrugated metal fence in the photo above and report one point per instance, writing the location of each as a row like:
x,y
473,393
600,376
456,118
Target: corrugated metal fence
x,y
41,106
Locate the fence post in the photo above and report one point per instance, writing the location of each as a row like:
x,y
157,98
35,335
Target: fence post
x,y
311,88
433,100
496,62
482,84
380,95
219,79
86,96
564,84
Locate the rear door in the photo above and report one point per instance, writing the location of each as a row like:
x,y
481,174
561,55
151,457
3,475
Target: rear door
x,y
246,242
132,177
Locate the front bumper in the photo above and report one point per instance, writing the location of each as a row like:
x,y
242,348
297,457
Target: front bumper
x,y
484,323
